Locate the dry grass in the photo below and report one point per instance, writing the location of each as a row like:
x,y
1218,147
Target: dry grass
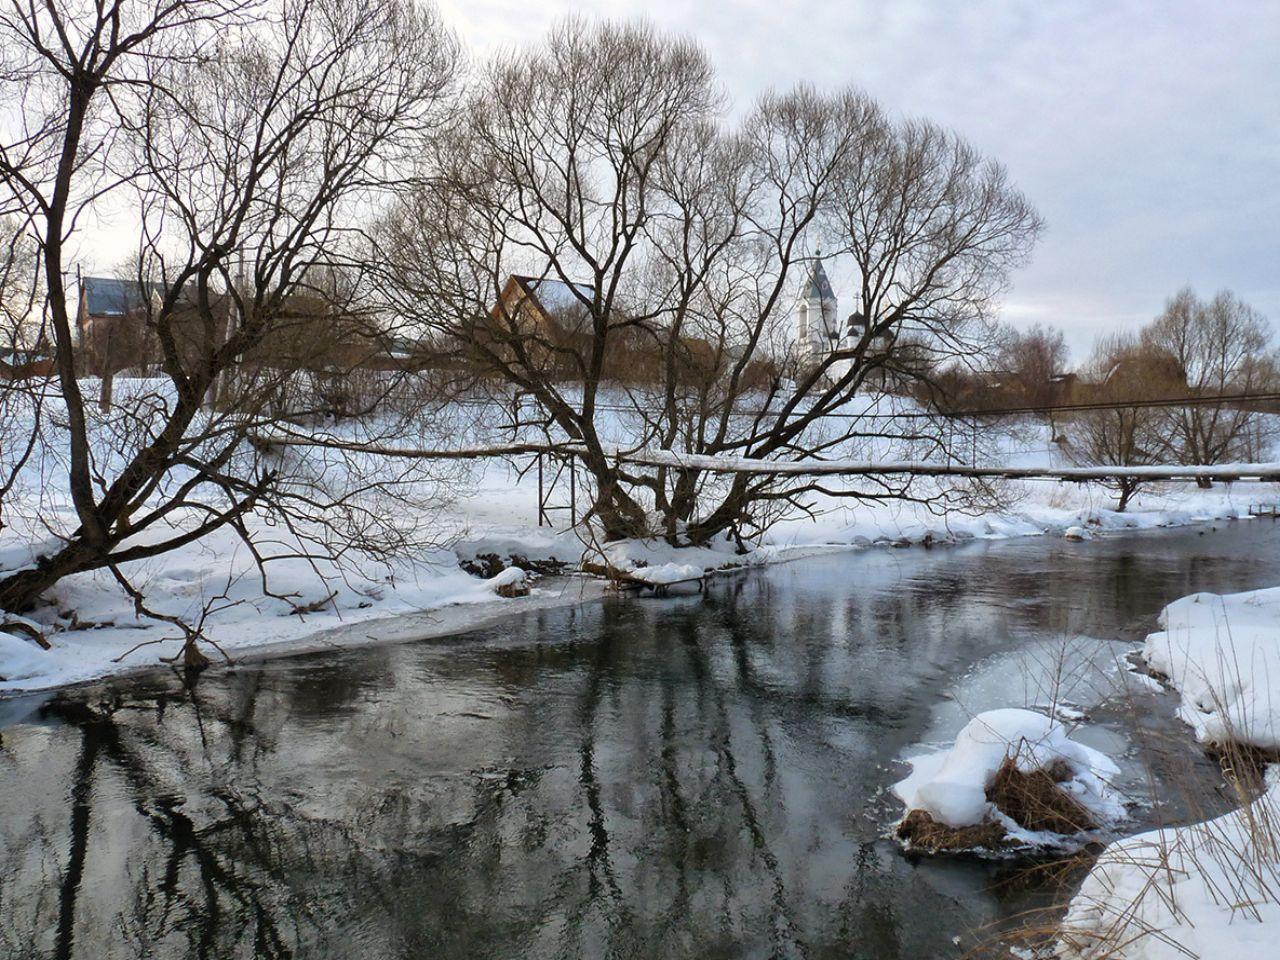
x,y
1236,859
1036,801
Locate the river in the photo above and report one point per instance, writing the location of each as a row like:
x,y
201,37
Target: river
x,y
703,775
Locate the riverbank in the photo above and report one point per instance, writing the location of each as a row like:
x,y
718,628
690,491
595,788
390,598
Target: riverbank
x,y
94,630
1207,889
274,588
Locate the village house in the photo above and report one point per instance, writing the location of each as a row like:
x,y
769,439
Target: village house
x,y
552,320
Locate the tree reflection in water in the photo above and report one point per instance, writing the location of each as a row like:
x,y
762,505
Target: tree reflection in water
x,y
699,777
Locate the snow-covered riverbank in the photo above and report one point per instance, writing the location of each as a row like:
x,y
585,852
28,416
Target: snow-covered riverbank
x,y
1209,889
217,584
95,631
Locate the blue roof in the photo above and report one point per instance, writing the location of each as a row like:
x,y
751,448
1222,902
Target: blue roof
x,y
113,297
819,285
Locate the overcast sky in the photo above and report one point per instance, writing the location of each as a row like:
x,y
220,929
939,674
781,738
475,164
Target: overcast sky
x,y
1147,133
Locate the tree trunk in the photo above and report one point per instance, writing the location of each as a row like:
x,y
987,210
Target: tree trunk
x,y
621,518
731,511
108,382
20,591
1127,489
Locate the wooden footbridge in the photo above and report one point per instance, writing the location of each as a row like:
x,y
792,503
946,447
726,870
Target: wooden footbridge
x,y
552,460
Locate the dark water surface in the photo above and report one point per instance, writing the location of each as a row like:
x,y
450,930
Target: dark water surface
x,y
701,776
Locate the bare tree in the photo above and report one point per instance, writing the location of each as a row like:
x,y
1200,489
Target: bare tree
x,y
1033,357
252,141
1219,347
23,349
661,252
1121,372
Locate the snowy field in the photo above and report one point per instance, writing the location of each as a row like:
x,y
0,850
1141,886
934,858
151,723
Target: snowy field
x,y
490,511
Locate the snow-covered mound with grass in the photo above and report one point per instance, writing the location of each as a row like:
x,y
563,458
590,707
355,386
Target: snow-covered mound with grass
x,y
1222,653
953,786
1207,890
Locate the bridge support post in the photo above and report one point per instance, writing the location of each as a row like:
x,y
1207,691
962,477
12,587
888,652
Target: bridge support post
x,y
542,497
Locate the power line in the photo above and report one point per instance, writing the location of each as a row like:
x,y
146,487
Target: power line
x,y
1123,404
1191,401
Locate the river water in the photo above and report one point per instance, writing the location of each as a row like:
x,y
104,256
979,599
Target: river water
x,y
697,776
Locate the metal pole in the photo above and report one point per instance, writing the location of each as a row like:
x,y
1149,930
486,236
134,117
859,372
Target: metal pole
x,y
541,499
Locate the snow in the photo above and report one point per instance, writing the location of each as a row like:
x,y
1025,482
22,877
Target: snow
x,y
1077,533
668,573
951,785
1205,890
643,558
21,659
509,577
1208,889
91,623
219,574
1222,654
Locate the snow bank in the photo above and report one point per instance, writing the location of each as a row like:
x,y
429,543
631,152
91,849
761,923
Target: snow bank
x,y
20,659
635,556
668,573
510,577
95,631
1210,889
1222,653
951,785
1206,890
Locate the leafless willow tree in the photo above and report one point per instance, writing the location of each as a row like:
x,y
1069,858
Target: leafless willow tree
x,y
1220,347
665,247
248,142
1121,372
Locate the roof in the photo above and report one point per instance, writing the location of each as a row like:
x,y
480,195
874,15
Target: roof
x,y
556,296
819,286
113,297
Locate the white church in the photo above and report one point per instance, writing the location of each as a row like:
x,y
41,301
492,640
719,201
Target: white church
x,y
819,331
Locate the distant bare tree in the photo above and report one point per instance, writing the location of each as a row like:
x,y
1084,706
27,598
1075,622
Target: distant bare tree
x,y
1121,371
1220,347
1033,357
22,337
253,140
599,164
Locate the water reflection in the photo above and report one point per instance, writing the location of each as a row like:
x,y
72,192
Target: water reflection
x,y
695,777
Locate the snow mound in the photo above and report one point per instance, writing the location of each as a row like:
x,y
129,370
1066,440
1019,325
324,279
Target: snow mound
x,y
631,555
21,659
1078,533
512,576
1222,653
668,573
1205,890
951,786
